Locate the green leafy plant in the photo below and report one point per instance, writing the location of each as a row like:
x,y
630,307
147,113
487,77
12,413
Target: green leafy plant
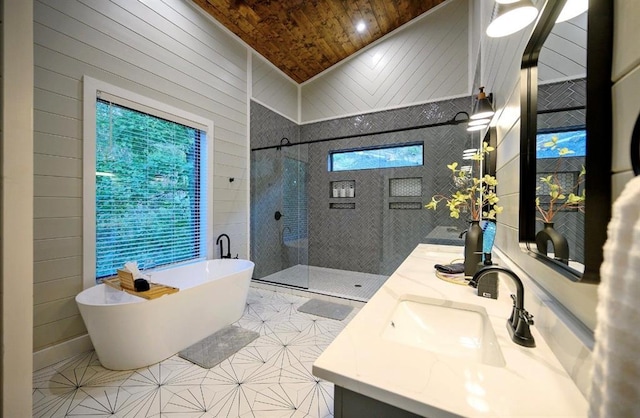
x,y
475,195
561,198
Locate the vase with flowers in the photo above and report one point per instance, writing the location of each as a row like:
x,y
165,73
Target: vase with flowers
x,y
560,196
475,196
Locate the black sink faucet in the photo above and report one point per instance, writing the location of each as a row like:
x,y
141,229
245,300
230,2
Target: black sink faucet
x,y
219,242
520,320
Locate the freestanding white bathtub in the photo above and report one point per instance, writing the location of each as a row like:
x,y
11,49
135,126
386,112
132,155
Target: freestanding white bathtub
x,y
129,332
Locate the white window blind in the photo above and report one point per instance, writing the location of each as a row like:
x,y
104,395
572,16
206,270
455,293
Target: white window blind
x,y
150,187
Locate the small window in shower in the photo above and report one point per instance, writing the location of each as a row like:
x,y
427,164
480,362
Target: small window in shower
x,y
388,156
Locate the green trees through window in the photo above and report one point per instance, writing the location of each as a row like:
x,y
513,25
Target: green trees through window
x,y
406,155
148,190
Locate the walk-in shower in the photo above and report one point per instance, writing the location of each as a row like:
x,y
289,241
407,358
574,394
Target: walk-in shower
x,y
279,214
343,228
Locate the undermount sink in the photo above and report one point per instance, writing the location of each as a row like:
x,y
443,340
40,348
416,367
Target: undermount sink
x,y
448,328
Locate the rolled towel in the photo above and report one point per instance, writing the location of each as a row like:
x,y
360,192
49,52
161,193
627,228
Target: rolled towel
x,y
141,285
614,390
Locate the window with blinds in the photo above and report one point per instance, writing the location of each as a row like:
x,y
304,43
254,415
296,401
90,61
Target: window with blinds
x,y
150,202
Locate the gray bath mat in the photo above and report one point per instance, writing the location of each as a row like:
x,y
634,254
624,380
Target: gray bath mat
x,y
326,309
217,347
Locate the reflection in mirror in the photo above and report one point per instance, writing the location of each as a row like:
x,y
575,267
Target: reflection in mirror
x,y
561,144
565,155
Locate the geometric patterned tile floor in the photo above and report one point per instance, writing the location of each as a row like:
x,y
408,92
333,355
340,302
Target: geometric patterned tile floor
x,y
270,377
332,282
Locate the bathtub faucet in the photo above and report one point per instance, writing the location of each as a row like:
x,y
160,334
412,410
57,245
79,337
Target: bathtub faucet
x,y
219,242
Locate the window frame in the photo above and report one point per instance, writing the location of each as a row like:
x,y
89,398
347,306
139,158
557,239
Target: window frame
x,y
371,148
92,88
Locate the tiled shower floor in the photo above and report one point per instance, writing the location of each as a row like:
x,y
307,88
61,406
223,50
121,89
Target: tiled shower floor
x,y
341,283
271,377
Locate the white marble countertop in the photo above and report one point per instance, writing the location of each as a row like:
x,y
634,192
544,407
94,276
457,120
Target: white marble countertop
x,y
532,384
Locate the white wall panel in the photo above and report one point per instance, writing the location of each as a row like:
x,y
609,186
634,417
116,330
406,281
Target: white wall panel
x,y
47,228
57,186
425,61
56,269
475,36
51,144
57,207
564,55
163,49
52,165
64,328
626,48
49,312
626,104
273,89
626,108
54,248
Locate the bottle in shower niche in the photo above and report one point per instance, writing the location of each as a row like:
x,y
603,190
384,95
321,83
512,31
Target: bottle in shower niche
x,y
343,190
351,191
334,190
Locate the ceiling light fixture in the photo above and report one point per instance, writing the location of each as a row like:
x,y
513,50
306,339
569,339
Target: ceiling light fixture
x,y
572,8
510,17
483,108
360,27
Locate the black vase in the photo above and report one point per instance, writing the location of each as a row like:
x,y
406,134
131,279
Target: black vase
x,y
472,248
559,242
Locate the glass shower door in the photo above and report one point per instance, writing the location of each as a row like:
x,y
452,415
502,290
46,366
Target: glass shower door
x,y
279,227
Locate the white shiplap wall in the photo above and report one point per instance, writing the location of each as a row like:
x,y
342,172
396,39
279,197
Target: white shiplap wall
x,y
626,78
424,61
273,89
564,55
163,49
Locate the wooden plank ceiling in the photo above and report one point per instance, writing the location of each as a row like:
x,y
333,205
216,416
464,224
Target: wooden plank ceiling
x,y
305,37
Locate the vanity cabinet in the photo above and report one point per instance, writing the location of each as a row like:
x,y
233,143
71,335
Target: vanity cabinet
x,y
350,404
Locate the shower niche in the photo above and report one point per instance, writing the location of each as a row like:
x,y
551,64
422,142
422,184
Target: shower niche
x,y
405,193
343,188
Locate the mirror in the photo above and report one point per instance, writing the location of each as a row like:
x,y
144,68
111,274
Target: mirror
x,y
565,156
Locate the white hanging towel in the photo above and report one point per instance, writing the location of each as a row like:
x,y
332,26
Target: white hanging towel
x,y
615,379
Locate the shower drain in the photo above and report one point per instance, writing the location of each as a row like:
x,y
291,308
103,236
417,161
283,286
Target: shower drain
x,y
357,285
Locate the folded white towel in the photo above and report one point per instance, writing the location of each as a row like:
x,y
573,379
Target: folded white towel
x,y
615,383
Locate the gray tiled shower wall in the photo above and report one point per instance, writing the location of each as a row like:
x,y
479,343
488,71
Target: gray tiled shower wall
x,y
373,238
370,238
565,94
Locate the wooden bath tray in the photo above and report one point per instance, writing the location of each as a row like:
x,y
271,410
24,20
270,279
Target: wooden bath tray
x,y
155,289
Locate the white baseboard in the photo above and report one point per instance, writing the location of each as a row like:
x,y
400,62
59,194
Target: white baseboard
x,y
51,355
